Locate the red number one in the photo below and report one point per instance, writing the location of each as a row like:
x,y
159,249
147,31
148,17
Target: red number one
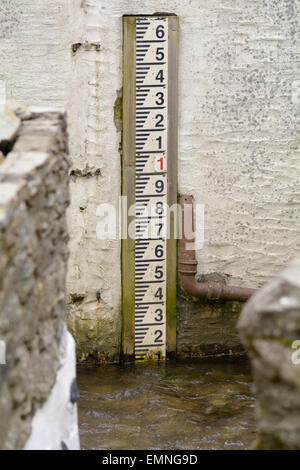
x,y
161,161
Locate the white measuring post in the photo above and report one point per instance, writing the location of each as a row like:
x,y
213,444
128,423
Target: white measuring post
x,y
149,182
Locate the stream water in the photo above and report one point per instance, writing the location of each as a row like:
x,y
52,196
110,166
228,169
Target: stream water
x,y
173,406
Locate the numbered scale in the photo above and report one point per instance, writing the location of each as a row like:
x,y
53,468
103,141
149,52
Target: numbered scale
x,y
147,95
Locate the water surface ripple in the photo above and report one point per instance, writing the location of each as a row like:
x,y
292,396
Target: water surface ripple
x,y
173,406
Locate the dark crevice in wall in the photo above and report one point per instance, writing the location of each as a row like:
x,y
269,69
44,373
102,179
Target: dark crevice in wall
x,y
86,46
87,172
76,46
6,146
77,298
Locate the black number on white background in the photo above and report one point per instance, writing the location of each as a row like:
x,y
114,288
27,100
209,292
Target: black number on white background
x,y
161,99
160,31
160,53
158,335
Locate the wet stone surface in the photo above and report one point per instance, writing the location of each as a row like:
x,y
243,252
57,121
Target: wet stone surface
x,y
178,406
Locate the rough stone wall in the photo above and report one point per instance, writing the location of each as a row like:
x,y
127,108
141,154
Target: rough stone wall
x,y
34,195
238,142
270,329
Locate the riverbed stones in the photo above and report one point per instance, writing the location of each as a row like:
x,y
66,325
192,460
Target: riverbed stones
x,y
270,330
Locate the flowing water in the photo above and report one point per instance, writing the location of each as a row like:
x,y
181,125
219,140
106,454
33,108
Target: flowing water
x,y
173,406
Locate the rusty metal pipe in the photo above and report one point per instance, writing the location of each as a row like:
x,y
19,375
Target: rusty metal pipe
x,y
188,264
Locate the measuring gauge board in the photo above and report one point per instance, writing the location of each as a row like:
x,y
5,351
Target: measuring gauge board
x,y
149,180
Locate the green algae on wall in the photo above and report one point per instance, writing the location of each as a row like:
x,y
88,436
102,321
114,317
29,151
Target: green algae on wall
x,y
118,110
94,333
207,329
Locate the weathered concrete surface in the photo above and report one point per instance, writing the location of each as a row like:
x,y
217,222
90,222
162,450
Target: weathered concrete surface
x,y
207,329
269,325
238,143
34,195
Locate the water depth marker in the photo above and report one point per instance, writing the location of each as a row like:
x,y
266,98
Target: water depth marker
x,y
149,180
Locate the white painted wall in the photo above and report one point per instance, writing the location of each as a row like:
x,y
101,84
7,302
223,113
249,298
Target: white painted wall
x,y
239,131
